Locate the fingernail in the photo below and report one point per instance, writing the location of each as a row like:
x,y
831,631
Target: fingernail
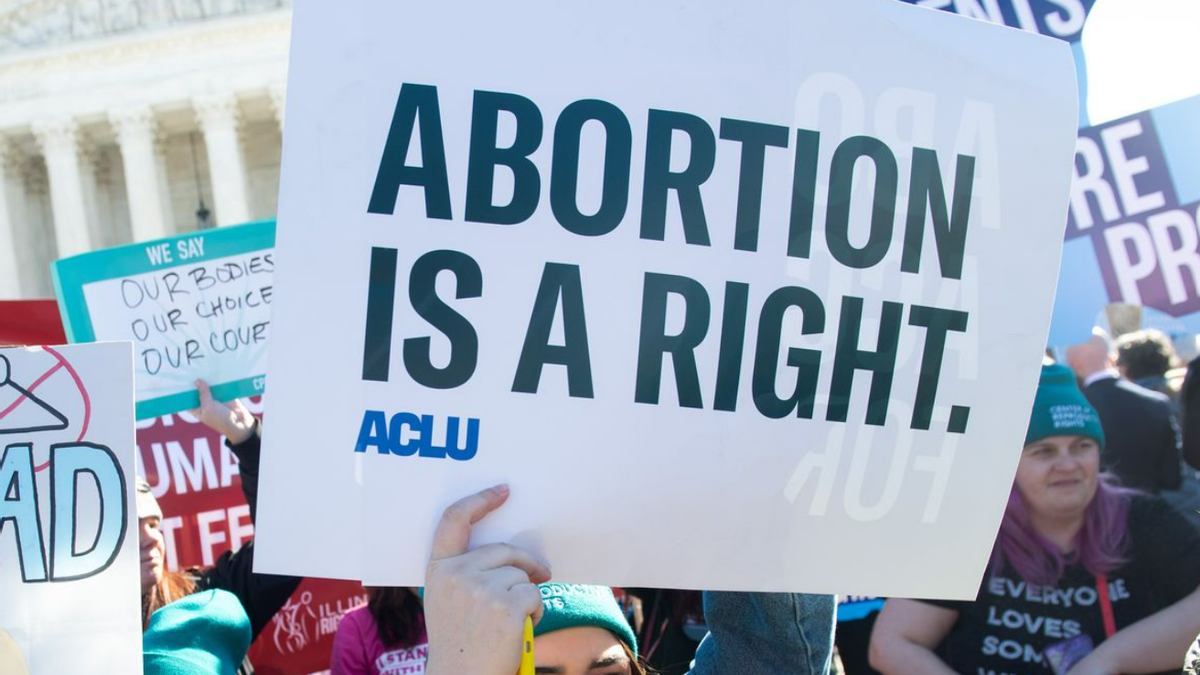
x,y
503,488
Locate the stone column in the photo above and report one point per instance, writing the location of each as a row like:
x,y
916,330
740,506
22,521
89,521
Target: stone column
x,y
135,129
278,103
10,274
164,185
58,139
89,178
218,118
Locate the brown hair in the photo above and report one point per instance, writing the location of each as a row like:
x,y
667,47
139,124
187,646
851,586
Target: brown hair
x,y
172,587
636,665
398,613
1145,353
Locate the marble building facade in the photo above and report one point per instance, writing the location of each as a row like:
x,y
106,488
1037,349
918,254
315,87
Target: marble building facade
x,y
119,118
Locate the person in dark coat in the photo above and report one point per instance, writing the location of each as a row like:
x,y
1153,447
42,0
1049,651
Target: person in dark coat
x,y
260,595
1143,440
1190,404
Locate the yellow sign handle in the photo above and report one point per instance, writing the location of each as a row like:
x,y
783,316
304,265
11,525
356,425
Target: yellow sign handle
x,y
527,648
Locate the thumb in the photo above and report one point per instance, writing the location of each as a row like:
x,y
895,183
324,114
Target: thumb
x,y
453,533
205,393
239,409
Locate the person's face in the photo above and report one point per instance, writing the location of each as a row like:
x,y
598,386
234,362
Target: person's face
x,y
1057,476
584,650
152,549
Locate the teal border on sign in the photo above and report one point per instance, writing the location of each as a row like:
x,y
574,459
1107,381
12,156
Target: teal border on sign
x,y
188,400
70,275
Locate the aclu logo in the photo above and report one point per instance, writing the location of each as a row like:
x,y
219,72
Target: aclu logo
x,y
407,435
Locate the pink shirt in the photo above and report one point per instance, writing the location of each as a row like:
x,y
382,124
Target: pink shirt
x,y
357,649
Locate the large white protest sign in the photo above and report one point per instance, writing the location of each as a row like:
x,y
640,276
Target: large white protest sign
x,y
196,305
742,296
69,573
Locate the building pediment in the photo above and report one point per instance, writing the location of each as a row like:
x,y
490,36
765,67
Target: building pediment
x,y
26,24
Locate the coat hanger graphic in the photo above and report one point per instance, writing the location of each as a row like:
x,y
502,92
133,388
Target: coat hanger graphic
x,y
26,395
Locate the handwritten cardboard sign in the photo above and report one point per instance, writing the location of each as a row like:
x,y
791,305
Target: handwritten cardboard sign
x,y
711,287
69,575
195,306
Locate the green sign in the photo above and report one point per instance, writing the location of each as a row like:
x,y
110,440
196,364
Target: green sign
x,y
196,305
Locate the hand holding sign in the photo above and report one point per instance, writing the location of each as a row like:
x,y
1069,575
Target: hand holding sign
x,y
232,420
734,304
494,585
194,305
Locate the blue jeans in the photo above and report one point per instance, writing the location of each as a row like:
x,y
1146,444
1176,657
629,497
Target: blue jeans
x,y
766,634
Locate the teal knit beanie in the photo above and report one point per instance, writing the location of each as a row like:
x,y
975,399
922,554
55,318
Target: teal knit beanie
x,y
572,605
205,633
1060,409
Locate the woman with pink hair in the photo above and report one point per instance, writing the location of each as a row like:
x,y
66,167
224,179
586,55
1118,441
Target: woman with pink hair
x,y
1086,577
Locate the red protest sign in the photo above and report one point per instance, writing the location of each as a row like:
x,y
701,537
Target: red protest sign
x,y
30,322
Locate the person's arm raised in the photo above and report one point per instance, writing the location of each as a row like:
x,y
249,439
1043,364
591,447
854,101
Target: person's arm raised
x,y
242,434
476,600
905,635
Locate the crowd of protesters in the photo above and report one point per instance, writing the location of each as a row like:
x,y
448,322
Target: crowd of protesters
x,y
1095,569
